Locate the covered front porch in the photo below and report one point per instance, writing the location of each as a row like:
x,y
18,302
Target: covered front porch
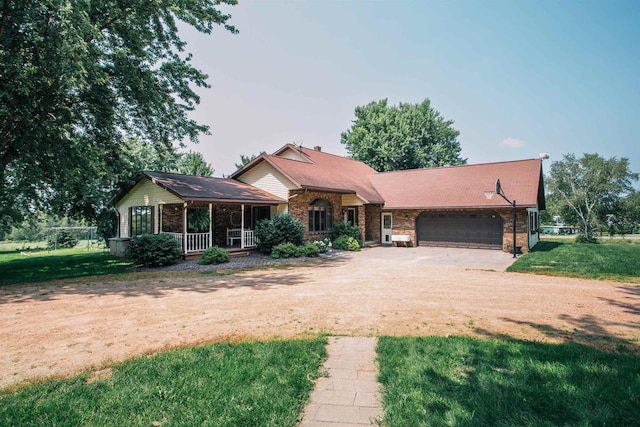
x,y
196,226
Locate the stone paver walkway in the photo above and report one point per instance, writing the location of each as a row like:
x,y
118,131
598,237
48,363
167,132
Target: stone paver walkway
x,y
350,394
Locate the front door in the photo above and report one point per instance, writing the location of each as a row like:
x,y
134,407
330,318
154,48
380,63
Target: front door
x,y
386,228
351,216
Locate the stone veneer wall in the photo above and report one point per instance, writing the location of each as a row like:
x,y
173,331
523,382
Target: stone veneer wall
x,y
299,201
522,225
404,222
372,220
362,222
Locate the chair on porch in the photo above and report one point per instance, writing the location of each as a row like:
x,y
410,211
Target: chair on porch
x,y
233,234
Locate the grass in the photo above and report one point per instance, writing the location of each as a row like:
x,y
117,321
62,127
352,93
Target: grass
x,y
39,266
434,381
617,260
243,384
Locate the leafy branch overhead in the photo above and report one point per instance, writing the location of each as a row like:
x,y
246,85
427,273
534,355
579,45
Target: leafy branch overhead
x,y
406,136
78,80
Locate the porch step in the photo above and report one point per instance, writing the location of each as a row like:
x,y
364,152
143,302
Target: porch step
x,y
233,253
238,254
371,244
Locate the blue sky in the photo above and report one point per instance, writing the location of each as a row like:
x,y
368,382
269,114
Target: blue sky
x,y
517,77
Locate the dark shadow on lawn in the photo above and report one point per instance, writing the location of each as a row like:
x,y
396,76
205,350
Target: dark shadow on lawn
x,y
158,282
516,382
543,246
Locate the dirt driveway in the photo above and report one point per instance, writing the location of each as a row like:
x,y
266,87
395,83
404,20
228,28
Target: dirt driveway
x,y
59,329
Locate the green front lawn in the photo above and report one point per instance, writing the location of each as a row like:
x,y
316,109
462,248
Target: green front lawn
x,y
27,267
617,260
459,381
245,384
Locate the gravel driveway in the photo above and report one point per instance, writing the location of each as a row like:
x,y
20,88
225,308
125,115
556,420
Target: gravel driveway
x,y
65,327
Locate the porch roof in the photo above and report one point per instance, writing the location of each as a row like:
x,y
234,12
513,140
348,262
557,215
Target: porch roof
x,y
210,189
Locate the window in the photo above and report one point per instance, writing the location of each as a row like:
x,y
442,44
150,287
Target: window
x,y
141,220
320,215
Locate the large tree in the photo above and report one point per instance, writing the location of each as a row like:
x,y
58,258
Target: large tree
x,y
193,163
588,189
78,79
406,136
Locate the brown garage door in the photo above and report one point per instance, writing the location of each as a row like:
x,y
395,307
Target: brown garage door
x,y
460,229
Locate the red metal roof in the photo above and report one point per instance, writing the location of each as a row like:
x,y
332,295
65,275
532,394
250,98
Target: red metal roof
x,y
462,186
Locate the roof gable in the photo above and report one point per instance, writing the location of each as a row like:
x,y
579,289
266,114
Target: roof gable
x,y
315,170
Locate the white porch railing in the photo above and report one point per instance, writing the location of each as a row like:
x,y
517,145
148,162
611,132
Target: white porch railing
x,y
198,242
249,239
177,237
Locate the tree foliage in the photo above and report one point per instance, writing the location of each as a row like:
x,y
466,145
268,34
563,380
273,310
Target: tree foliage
x,y
78,80
246,159
62,239
588,189
407,136
193,163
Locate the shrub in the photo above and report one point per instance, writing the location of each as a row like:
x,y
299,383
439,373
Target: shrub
x,y
64,240
346,243
213,255
309,250
345,228
322,245
277,230
285,250
153,250
584,239
289,250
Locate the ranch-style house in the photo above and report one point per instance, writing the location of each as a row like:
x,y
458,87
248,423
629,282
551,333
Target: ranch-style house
x,y
446,206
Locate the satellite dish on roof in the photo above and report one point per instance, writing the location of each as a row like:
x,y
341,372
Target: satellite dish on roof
x,y
544,156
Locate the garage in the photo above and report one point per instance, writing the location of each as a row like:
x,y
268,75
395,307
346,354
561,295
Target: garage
x,y
475,229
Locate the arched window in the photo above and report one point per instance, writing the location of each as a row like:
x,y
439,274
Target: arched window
x,y
320,215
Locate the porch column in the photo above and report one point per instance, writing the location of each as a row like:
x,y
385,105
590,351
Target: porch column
x,y
160,218
242,226
184,230
210,224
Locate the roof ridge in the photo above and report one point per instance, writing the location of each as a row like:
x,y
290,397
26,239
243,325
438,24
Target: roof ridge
x,y
332,154
307,160
181,174
456,166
